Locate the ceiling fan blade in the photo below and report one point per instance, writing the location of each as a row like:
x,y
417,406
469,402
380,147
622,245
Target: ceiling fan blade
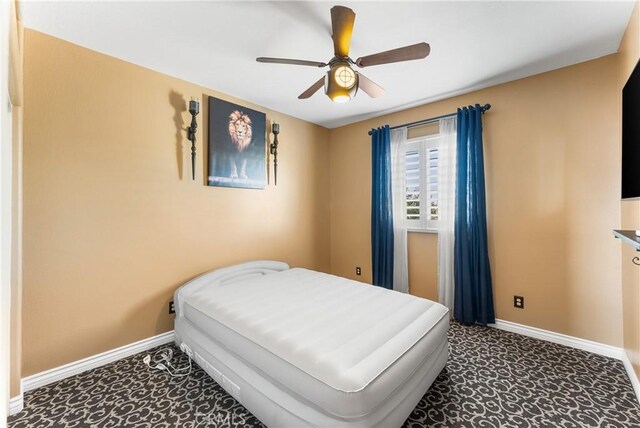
x,y
407,53
290,61
369,86
312,89
342,19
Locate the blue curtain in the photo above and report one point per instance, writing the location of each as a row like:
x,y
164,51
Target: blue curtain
x,y
381,209
472,273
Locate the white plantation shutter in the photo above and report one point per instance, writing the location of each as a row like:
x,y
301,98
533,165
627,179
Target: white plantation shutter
x,y
412,189
422,179
433,185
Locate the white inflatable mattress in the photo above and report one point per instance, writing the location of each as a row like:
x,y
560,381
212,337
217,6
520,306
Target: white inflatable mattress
x,y
340,346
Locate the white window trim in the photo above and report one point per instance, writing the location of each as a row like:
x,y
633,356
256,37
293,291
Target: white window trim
x,y
417,230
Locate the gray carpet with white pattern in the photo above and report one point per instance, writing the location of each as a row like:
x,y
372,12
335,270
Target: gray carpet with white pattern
x,y
492,379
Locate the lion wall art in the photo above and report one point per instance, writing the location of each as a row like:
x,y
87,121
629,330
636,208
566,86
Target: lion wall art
x,y
237,156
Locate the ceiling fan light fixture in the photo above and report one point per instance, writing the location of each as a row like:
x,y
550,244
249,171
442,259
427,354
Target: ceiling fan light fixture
x,y
344,76
341,84
341,99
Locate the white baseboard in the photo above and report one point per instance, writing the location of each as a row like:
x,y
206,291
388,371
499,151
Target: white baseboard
x,y
58,373
632,374
574,342
561,339
16,404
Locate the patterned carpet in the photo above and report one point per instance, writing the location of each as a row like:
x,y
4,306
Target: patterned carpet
x,y
492,379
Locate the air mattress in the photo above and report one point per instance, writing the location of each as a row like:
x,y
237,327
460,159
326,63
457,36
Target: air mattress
x,y
299,347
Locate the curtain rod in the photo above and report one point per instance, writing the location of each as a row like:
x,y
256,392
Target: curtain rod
x,y
430,120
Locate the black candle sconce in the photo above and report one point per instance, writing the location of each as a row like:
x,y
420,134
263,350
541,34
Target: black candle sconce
x,y
194,109
275,128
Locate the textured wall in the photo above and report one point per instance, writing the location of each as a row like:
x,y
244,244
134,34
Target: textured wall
x,y
553,184
113,222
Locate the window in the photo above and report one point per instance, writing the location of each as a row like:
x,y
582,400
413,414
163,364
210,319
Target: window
x,y
422,159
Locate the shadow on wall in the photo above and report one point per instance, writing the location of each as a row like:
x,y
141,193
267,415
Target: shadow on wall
x,y
180,106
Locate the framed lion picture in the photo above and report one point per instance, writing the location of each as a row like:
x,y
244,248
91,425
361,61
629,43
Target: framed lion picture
x,y
237,147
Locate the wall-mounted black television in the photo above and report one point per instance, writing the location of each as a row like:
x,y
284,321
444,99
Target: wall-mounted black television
x,y
631,136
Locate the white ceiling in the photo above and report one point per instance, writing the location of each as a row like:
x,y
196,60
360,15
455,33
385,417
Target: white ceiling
x,y
214,44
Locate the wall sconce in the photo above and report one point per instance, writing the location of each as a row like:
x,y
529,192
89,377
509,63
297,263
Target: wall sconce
x,y
275,128
194,109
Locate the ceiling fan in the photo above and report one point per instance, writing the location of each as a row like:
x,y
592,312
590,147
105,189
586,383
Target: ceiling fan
x,y
341,81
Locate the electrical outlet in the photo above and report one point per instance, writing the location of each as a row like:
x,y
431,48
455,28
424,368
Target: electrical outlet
x,y
518,302
172,309
358,271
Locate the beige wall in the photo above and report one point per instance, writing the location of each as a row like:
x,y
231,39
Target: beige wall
x,y
16,256
16,89
422,249
629,54
553,172
113,222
